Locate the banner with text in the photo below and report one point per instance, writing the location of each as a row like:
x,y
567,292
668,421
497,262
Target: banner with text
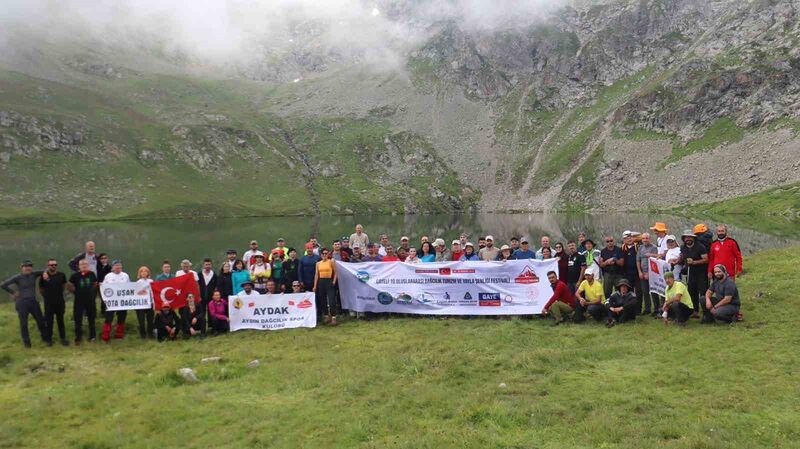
x,y
127,295
656,276
514,287
272,312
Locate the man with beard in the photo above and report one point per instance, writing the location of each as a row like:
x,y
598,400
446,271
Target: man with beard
x,y
622,306
25,300
562,303
695,262
51,284
652,302
725,250
722,297
489,252
611,262
576,266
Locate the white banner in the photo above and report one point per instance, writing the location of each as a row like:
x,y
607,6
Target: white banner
x,y
656,276
127,295
515,287
272,312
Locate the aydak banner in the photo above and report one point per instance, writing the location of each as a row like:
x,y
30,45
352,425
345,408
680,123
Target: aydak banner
x,y
127,295
655,276
272,312
515,287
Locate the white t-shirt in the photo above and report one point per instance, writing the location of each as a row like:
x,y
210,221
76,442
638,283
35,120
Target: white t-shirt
x,y
244,294
181,273
662,245
114,278
674,253
207,276
382,251
92,260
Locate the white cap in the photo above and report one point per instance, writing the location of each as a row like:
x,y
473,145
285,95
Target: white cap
x,y
456,242
671,237
505,247
438,242
489,237
627,233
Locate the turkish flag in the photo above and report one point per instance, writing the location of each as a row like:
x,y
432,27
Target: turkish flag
x,y
174,293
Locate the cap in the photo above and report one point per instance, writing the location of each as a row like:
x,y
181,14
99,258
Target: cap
x,y
253,242
258,255
438,242
700,228
659,227
356,246
589,273
627,233
456,242
669,274
469,244
26,263
489,237
505,247
276,251
280,239
230,251
309,245
671,237
403,238
524,240
116,261
296,283
688,233
345,239
186,261
250,283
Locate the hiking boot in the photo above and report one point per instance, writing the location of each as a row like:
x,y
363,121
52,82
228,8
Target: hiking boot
x,y
64,342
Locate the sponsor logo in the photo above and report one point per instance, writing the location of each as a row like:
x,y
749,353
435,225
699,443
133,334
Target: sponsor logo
x,y
532,293
489,299
385,298
305,304
141,292
404,298
467,295
527,277
446,295
463,270
251,304
362,276
108,292
425,298
433,271
444,271
508,299
237,303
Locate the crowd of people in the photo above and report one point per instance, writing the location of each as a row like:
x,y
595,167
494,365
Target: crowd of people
x,y
607,282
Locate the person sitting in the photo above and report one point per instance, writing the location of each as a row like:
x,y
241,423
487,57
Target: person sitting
x,y
722,297
622,305
247,290
166,324
677,303
562,303
590,299
218,311
192,318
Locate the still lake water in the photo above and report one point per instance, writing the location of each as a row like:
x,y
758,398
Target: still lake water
x,y
148,243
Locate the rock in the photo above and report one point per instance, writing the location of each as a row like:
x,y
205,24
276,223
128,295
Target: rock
x,y
210,360
188,375
254,364
502,385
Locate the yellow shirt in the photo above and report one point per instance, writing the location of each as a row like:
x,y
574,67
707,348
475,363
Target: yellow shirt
x,y
679,288
325,268
592,293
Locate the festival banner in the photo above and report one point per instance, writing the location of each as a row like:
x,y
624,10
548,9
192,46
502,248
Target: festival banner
x,y
126,295
655,276
175,292
514,287
272,312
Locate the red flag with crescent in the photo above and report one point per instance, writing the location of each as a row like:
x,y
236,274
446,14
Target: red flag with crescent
x,y
175,293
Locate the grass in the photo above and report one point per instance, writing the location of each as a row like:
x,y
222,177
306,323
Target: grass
x,y
420,383
721,132
583,180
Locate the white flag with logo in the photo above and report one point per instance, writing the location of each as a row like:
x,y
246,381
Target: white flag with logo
x,y
272,312
127,295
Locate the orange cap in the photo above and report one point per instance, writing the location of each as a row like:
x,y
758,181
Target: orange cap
x,y
659,227
700,229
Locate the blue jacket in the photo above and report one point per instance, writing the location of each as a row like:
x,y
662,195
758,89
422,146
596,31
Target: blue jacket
x,y
307,268
474,256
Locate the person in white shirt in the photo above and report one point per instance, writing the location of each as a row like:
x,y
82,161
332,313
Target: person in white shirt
x,y
117,276
247,290
673,256
186,268
660,229
249,256
384,239
359,237
412,256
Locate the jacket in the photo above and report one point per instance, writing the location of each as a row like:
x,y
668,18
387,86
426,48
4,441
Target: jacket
x,y
206,290
561,293
218,310
725,252
225,284
617,299
238,278
473,256
307,269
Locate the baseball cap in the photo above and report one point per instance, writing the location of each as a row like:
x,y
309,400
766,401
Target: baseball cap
x,y
505,247
489,237
253,242
523,240
231,251
469,244
309,245
456,242
27,263
438,242
280,239
403,238
116,261
356,246
345,239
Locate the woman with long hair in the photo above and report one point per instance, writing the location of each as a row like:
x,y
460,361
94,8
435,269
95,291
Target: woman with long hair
x,y
225,280
239,275
145,317
412,256
325,287
563,261
427,253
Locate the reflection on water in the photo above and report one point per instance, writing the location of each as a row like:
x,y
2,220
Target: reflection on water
x,y
148,243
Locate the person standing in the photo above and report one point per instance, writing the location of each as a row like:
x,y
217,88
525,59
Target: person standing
x,y
562,303
661,239
524,251
83,285
307,268
166,271
622,306
390,256
545,244
404,243
612,263
260,271
249,256
359,237
563,261
325,287
652,302
145,317
25,300
103,268
469,253
384,239
186,268
426,253
89,255
694,258
441,251
592,256
51,284
225,280
725,250
412,256
239,276
231,256
456,251
372,254
117,276
290,270
207,280
590,299
514,243
505,254
489,252
357,255
576,266
722,297
280,248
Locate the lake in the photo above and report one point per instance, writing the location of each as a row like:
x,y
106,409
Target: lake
x,y
148,243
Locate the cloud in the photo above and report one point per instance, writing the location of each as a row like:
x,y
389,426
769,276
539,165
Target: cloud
x,y
243,31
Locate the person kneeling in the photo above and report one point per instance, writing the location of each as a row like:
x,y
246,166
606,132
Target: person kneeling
x,y
678,304
218,310
562,303
192,319
622,306
590,299
166,324
722,297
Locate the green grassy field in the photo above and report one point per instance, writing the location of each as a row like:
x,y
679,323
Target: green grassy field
x,y
422,383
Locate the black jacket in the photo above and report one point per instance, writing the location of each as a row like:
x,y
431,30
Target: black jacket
x,y
206,290
619,300
73,264
224,285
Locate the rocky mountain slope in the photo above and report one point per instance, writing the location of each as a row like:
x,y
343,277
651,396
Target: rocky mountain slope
x,y
623,104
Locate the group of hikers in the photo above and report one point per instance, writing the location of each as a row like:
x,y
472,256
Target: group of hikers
x,y
607,282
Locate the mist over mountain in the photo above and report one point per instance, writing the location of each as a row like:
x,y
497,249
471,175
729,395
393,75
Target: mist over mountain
x,y
393,106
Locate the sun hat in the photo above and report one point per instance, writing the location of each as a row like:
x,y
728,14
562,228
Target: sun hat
x,y
624,282
438,242
659,227
671,237
688,233
505,247
700,228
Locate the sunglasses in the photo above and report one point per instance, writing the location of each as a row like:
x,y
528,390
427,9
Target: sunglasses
x,y
609,241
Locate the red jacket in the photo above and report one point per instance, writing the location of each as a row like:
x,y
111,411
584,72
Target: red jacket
x,y
725,252
561,293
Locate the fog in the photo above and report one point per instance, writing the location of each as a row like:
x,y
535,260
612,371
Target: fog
x,y
238,31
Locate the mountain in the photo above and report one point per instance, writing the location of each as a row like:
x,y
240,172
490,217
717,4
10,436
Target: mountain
x,y
619,105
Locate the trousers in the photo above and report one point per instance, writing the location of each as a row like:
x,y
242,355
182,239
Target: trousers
x,y
54,312
79,308
326,297
25,307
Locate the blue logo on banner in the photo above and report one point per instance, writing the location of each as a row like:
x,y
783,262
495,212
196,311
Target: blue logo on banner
x,y
385,298
446,295
362,276
486,296
467,295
